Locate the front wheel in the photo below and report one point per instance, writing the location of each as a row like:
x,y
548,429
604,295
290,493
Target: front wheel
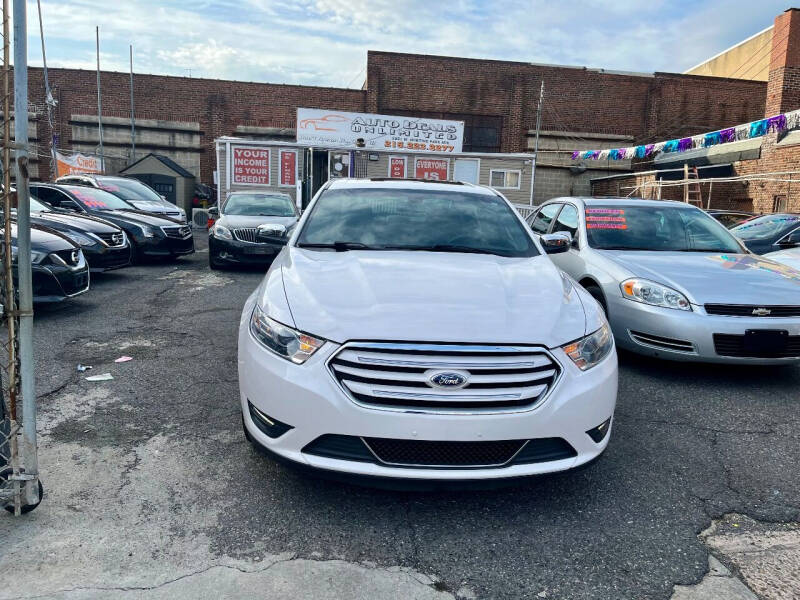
x,y
596,293
25,508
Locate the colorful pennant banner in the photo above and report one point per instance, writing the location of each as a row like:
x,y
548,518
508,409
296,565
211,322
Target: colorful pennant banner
x,y
786,121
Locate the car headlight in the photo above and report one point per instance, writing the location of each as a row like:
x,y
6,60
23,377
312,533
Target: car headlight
x,y
222,232
148,231
655,294
590,350
80,239
36,256
284,341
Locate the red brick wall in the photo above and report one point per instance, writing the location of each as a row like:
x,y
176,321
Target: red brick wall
x,y
576,99
219,106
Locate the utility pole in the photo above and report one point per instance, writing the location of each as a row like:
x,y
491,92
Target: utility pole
x,y
31,494
49,100
536,143
100,105
133,121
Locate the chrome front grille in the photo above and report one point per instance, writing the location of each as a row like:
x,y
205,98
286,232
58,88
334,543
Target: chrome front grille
x,y
246,234
116,238
178,232
398,376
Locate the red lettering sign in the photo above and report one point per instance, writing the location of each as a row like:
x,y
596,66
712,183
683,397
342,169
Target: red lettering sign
x,y
397,167
249,166
431,168
288,167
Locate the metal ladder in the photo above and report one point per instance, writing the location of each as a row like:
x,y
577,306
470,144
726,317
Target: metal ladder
x,y
692,194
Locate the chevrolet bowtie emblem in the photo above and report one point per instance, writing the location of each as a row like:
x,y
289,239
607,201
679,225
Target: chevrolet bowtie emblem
x,y
761,312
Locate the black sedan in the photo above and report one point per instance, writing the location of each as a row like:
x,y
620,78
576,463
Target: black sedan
x,y
58,267
730,218
104,245
770,233
251,228
150,235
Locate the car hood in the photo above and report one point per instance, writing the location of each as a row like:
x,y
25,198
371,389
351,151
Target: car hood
x,y
139,217
234,221
715,278
428,297
43,238
790,257
73,221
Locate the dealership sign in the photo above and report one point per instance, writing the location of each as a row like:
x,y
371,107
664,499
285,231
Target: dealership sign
x,y
249,165
337,129
68,164
432,168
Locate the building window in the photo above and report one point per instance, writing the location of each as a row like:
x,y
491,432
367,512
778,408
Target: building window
x,y
780,203
504,179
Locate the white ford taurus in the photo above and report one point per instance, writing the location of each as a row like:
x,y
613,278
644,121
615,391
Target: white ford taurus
x,y
416,330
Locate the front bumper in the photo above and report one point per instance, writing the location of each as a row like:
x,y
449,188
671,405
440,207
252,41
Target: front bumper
x,y
160,245
307,398
236,252
54,283
689,335
104,258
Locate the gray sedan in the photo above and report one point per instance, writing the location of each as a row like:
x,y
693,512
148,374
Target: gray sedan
x,y
673,281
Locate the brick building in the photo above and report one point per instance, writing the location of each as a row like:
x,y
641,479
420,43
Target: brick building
x,y
583,108
765,171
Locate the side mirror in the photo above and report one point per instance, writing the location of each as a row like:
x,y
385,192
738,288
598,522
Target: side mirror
x,y
556,243
271,231
213,212
790,241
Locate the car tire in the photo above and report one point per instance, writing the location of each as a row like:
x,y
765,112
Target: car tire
x,y
596,293
213,264
26,508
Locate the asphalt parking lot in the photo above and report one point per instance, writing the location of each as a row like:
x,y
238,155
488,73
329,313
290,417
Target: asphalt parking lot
x,y
152,490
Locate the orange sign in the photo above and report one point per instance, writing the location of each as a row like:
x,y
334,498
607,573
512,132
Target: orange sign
x,y
77,163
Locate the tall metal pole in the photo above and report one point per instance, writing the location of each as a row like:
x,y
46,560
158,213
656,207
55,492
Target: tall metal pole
x,y
536,143
133,121
100,105
48,100
24,251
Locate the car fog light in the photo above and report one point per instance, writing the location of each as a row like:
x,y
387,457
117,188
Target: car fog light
x,y
271,427
599,433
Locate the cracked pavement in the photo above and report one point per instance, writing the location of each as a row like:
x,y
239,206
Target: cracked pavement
x,y
151,490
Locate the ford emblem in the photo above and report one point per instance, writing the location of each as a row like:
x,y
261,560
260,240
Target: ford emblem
x,y
448,380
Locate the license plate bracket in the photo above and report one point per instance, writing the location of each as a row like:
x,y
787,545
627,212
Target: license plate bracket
x,y
762,342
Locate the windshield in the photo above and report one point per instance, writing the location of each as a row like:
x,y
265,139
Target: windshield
x,y
267,205
766,228
388,219
129,189
666,228
94,199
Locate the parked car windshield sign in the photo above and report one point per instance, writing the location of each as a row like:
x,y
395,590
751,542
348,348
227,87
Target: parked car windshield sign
x,y
94,199
767,227
259,205
389,219
129,189
665,228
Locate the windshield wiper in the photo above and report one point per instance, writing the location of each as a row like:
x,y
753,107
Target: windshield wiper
x,y
709,250
625,248
447,248
342,246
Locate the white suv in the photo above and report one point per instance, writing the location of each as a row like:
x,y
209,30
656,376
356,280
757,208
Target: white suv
x,y
416,330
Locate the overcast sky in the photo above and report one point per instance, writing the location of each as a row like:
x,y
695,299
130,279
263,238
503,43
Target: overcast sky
x,y
324,42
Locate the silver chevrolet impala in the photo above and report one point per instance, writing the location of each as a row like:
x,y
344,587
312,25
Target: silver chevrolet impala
x,y
673,281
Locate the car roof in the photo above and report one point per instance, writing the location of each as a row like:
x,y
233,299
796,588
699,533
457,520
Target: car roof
x,y
588,201
409,184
